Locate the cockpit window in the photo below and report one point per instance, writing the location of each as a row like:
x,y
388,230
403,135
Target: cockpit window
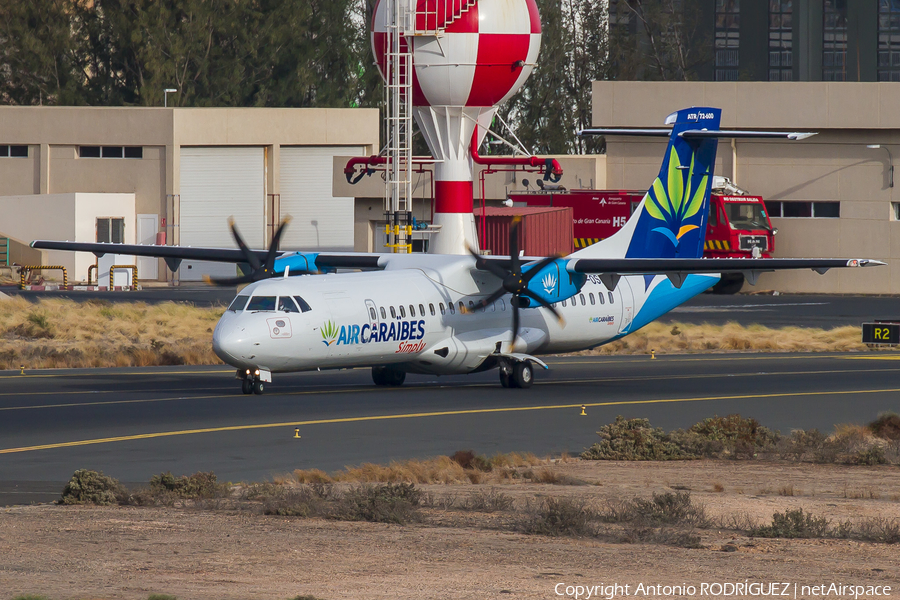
x,y
238,304
262,303
302,304
285,304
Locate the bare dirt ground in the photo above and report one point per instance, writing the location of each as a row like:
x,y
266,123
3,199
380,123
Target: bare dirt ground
x,y
130,552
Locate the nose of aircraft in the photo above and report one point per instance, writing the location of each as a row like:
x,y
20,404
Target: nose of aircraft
x,y
230,343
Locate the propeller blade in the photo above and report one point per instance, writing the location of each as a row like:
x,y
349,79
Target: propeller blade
x,y
483,265
546,305
491,299
533,271
514,244
252,259
229,281
515,327
273,247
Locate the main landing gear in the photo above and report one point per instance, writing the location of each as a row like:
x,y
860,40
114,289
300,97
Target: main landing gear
x,y
253,382
388,376
519,374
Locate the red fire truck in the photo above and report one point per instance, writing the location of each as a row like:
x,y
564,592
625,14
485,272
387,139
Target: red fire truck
x,y
738,225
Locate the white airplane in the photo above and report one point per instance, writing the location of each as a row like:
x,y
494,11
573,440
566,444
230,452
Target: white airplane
x,y
466,313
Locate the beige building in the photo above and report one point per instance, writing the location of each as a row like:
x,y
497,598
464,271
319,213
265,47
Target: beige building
x,y
180,172
795,178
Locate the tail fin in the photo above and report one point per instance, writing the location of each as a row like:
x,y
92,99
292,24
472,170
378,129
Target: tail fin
x,y
671,220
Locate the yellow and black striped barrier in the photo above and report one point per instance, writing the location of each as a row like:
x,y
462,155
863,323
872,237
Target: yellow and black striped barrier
x,y
134,275
717,245
23,272
92,269
585,242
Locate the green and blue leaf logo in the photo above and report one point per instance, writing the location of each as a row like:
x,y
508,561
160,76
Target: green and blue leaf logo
x,y
675,201
329,333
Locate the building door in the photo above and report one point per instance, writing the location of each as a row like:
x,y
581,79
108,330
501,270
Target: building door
x,y
218,183
147,226
320,221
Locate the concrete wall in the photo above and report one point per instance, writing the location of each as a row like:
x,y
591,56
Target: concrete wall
x,y
832,166
70,217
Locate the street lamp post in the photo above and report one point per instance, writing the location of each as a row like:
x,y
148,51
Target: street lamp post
x,y
166,93
890,159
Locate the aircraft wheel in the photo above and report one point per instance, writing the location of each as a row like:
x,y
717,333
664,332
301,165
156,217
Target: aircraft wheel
x,y
506,378
396,378
258,387
523,375
247,386
379,376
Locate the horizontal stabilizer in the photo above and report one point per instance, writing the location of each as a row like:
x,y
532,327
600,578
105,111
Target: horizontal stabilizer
x,y
699,133
664,266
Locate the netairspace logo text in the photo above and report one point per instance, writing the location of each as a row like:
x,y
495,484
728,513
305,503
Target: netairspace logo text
x,y
745,588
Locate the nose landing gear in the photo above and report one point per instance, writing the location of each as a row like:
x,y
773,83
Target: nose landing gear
x,y
254,382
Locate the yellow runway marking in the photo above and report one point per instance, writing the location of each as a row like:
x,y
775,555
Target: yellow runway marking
x,y
870,357
294,424
349,388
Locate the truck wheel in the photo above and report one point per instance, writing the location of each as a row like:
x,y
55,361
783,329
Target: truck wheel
x,y
729,284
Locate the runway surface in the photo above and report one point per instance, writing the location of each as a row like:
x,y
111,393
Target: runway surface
x,y
133,423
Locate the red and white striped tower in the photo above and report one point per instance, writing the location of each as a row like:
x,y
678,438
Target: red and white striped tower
x,y
468,57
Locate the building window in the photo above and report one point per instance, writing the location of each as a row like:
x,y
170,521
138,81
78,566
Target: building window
x,y
111,152
728,37
781,61
809,210
14,151
888,41
111,230
834,41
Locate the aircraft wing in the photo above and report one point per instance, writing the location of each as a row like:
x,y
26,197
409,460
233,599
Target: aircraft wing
x,y
175,254
676,269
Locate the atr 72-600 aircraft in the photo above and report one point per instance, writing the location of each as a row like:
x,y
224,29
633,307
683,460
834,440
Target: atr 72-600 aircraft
x,y
466,313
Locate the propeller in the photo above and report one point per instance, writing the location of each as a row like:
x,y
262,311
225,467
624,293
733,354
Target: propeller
x,y
258,270
514,281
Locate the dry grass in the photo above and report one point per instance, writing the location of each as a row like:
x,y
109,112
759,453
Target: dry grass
x,y
441,469
680,337
54,333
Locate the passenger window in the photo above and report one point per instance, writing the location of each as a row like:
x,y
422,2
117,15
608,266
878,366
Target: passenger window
x,y
304,307
564,303
582,299
402,312
238,304
462,307
591,296
285,304
422,310
611,298
493,307
482,306
441,306
412,310
600,298
431,308
393,313
383,315
452,309
372,314
502,304
262,303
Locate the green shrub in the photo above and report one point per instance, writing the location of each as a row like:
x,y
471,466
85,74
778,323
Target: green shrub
x,y
666,509
733,436
199,486
30,597
299,502
488,501
469,460
389,503
560,517
886,426
91,487
793,524
871,456
634,439
161,597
